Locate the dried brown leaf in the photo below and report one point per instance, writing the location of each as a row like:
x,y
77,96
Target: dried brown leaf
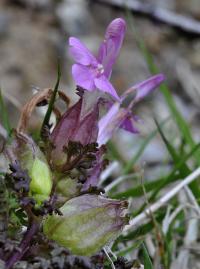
x,y
27,110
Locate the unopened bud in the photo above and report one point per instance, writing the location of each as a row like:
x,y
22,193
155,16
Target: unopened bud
x,y
32,159
67,188
41,182
88,223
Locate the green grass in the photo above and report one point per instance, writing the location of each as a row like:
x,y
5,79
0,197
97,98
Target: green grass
x,y
185,129
51,102
129,165
147,261
184,158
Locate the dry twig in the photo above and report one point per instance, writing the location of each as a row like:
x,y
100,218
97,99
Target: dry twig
x,y
163,200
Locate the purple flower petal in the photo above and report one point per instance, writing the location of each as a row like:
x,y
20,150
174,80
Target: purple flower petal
x,y
111,45
80,53
83,76
110,122
144,88
103,84
128,125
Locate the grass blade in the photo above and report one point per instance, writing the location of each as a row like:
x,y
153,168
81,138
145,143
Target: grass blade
x,y
4,115
51,102
144,144
113,152
183,169
170,178
147,261
158,184
180,121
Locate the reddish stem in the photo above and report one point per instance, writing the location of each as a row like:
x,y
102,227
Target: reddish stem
x,y
24,246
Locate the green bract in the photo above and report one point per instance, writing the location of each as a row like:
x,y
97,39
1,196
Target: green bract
x,y
88,223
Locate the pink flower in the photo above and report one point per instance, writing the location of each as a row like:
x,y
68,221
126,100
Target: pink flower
x,y
118,116
93,73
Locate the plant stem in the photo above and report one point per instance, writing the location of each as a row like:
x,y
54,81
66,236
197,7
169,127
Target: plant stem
x,y
24,246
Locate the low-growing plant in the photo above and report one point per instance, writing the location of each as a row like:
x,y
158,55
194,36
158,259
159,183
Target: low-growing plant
x,y
55,212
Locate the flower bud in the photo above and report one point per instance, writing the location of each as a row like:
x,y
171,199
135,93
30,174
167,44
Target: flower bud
x,y
41,182
67,188
33,160
88,223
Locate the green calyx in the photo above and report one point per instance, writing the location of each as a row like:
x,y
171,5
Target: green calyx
x,y
89,222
